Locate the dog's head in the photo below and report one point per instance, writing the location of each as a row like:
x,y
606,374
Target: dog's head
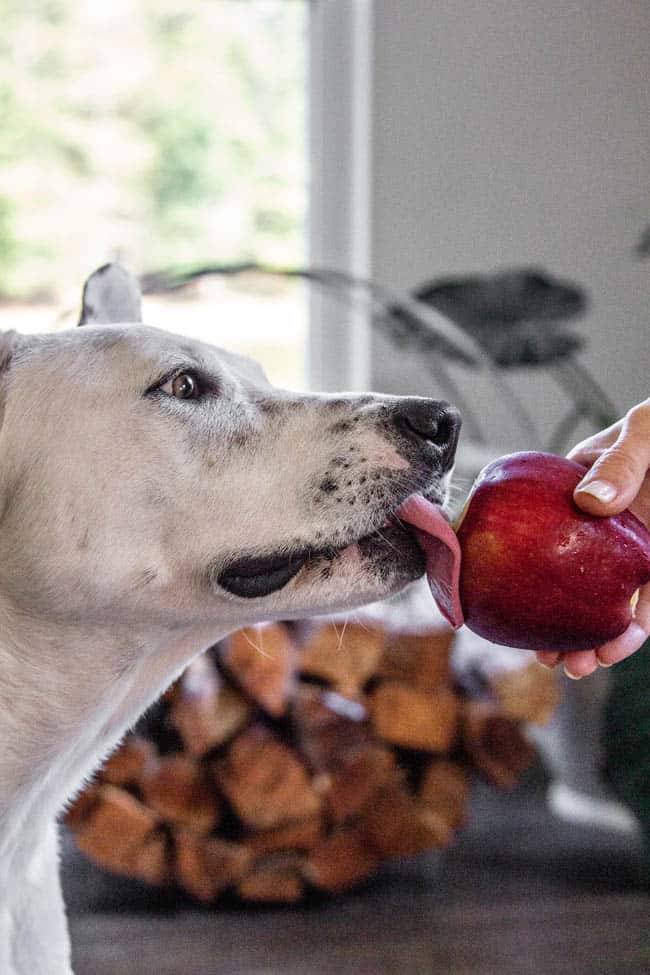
x,y
146,476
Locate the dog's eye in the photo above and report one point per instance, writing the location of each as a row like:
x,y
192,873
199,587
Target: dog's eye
x,y
185,385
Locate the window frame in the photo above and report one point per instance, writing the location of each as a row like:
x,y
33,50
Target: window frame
x,y
340,186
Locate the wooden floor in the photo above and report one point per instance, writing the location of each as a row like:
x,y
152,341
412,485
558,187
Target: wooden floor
x,y
520,894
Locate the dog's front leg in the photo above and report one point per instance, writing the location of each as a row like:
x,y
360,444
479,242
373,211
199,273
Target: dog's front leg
x,y
34,936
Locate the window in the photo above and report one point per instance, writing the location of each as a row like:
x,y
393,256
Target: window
x,y
166,134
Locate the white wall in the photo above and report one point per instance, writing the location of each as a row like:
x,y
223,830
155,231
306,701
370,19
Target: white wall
x,y
516,132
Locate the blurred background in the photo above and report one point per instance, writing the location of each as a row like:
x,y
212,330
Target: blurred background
x,y
444,198
160,135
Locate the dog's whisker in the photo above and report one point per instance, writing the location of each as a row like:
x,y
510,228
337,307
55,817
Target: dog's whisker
x,y
340,635
255,646
345,623
460,487
384,539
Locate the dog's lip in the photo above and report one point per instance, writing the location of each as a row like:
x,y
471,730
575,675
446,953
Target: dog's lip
x,y
259,576
253,578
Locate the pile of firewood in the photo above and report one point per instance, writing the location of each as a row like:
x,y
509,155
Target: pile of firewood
x,y
270,769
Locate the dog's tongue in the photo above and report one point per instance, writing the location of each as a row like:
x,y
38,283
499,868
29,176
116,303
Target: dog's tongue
x,y
440,546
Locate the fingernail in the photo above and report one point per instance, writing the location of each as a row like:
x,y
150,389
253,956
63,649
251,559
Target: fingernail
x,y
602,490
601,664
572,676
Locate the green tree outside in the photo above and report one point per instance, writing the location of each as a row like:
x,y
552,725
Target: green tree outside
x,y
161,132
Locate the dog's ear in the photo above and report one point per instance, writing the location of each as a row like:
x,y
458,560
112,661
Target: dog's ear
x,y
111,294
9,342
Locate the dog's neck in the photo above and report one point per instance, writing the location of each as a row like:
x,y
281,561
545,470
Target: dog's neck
x,y
67,696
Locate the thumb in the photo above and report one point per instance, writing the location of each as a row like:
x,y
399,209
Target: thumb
x,y
614,480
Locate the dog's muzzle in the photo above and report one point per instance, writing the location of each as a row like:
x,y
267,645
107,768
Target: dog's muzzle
x,y
427,433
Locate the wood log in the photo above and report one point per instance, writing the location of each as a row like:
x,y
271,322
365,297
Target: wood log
x,y
205,866
340,861
529,693
264,780
396,824
119,833
274,880
261,659
363,752
357,779
115,823
127,764
151,862
421,660
328,726
81,806
345,656
495,744
411,718
177,788
206,711
303,834
444,790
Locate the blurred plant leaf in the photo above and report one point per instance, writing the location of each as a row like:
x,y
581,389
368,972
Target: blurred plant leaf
x,y
517,315
407,321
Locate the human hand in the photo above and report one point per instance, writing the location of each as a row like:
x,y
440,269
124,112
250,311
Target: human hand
x,y
618,478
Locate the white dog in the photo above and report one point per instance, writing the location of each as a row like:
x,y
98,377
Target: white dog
x,y
157,493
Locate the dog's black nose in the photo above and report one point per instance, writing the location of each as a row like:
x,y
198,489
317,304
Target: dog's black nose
x,y
430,420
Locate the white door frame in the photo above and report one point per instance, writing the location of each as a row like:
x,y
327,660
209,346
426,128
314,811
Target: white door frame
x,y
340,150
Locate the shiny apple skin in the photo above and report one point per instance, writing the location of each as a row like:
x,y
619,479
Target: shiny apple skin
x,y
536,571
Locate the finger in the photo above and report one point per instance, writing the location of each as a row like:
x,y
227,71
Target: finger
x,y
580,663
622,647
615,478
547,658
587,455
593,446
633,638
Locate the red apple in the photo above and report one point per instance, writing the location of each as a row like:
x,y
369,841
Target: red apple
x,y
536,571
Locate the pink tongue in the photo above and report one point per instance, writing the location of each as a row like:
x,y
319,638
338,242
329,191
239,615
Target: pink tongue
x,y
440,545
